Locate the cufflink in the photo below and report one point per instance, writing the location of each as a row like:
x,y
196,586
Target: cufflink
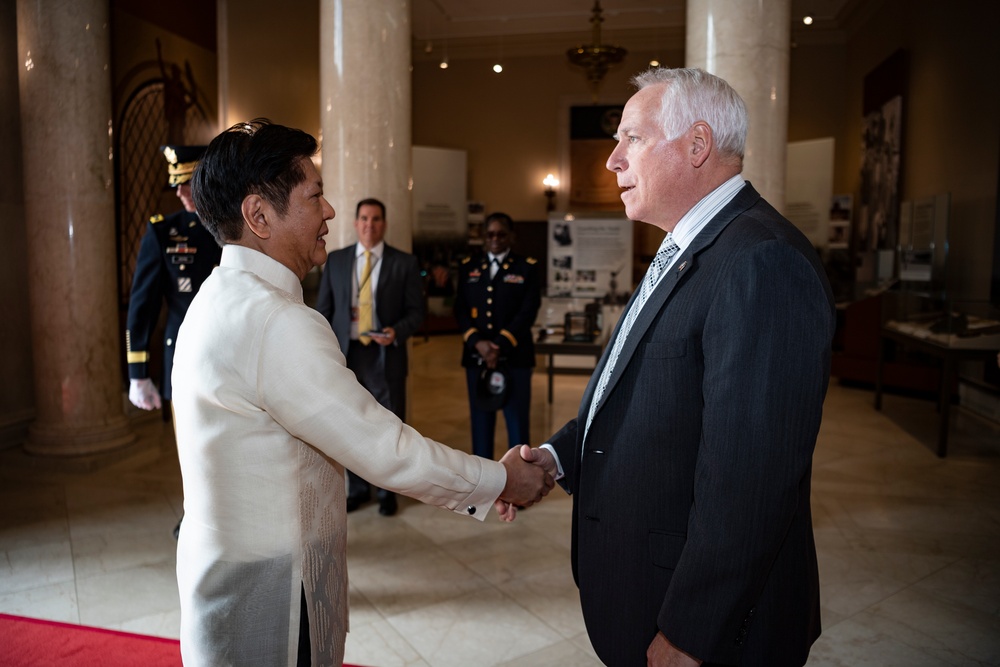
x,y
471,509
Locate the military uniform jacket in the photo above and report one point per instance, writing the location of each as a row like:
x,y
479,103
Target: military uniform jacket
x,y
500,310
176,255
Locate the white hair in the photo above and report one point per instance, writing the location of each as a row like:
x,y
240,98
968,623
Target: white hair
x,y
693,95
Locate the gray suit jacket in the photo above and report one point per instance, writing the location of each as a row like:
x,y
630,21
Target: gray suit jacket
x,y
691,499
399,301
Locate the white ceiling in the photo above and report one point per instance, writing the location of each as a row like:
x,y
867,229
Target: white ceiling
x,y
525,26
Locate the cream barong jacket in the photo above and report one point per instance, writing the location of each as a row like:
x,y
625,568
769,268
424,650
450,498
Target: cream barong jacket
x,y
268,416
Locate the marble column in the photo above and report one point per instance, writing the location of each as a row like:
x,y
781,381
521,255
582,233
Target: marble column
x,y
65,95
747,44
365,113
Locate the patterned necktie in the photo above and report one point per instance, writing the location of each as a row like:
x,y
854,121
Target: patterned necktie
x,y
365,300
667,250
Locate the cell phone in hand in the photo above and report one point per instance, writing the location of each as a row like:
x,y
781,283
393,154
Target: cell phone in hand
x,y
375,334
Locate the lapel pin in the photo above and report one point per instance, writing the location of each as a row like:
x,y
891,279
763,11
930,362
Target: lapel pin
x,y
681,267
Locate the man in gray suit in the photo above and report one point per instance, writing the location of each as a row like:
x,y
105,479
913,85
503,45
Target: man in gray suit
x,y
372,296
691,455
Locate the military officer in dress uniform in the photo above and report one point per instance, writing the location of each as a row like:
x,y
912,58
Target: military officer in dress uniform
x,y
176,255
497,302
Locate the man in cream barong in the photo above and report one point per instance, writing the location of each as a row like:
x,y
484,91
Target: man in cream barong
x,y
268,416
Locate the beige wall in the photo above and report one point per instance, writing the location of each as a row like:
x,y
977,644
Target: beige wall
x,y
513,125
817,106
269,63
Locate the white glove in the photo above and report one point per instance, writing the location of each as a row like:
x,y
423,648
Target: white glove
x,y
143,394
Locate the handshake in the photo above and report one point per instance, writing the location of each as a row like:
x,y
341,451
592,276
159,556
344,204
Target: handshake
x,y
531,474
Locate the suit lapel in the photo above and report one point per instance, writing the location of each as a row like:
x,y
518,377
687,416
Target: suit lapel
x,y
343,280
684,265
588,393
384,274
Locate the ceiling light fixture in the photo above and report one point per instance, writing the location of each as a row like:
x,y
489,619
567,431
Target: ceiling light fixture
x,y
498,67
807,19
443,64
444,57
596,58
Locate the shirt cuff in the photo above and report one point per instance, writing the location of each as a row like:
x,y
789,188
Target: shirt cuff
x,y
491,484
556,457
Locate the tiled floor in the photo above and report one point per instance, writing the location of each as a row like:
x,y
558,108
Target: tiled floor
x,y
909,544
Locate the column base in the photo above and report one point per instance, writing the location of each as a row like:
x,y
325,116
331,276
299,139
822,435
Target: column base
x,y
74,441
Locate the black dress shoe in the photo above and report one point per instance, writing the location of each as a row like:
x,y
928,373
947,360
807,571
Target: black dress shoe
x,y
387,505
356,500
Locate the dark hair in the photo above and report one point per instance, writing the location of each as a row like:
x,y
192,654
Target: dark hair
x,y
502,218
257,157
369,202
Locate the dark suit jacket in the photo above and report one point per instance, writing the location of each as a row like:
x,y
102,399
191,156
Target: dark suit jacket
x,y
399,301
176,255
691,501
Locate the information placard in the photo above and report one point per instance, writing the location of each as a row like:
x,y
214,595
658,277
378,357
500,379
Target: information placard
x,y
589,255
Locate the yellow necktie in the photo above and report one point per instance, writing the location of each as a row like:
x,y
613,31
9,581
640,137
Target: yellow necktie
x,y
365,300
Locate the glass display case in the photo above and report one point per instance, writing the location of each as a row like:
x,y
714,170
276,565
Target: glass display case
x,y
936,318
948,331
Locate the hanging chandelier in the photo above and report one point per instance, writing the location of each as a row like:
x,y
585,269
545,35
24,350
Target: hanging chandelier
x,y
596,58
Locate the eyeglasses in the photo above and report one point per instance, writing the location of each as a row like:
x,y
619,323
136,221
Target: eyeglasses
x,y
496,235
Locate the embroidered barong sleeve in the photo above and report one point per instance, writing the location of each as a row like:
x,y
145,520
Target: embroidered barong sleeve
x,y
305,385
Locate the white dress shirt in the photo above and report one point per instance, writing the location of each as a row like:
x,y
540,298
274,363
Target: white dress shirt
x,y
496,261
268,416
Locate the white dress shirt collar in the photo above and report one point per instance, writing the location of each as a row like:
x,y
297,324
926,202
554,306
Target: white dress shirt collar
x,y
266,268
359,250
689,226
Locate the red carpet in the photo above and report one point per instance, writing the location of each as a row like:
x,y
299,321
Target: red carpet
x,y
31,642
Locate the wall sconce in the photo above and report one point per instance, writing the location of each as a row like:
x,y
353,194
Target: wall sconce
x,y
551,183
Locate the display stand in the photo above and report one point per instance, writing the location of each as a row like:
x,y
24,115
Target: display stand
x,y
950,357
946,330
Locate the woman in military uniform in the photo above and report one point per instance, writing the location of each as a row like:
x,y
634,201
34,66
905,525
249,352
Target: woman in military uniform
x,y
496,305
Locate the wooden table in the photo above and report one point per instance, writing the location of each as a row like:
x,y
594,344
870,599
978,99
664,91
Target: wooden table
x,y
950,357
552,347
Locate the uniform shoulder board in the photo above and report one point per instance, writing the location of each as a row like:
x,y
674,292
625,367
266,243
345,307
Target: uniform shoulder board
x,y
156,218
466,260
531,260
